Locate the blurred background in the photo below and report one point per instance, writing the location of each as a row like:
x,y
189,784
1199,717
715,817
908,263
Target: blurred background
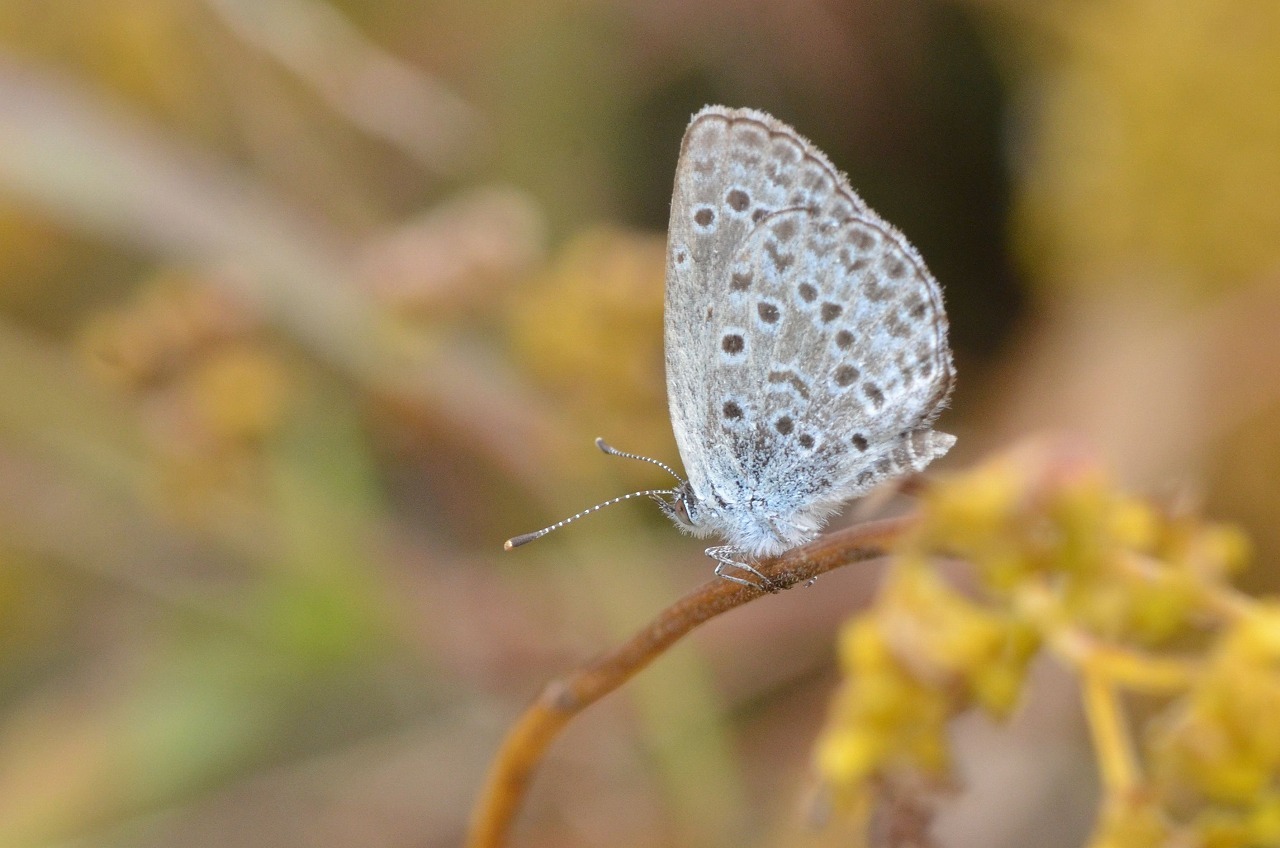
x,y
306,306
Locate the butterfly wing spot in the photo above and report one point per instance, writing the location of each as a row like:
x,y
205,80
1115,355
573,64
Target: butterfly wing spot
x,y
844,339
851,263
781,261
732,410
787,151
785,229
790,378
784,425
896,327
847,375
859,442
874,394
807,292
733,344
738,200
705,218
814,180
917,308
806,441
861,239
831,311
768,312
877,292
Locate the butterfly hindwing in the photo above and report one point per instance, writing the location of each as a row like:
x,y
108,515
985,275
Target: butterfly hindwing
x,y
806,342
846,353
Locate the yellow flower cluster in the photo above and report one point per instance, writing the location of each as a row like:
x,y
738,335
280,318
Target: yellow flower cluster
x,y
1050,556
1218,751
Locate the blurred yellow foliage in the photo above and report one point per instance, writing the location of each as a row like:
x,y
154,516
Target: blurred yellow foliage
x,y
172,319
891,718
1132,821
1221,742
207,384
1061,560
591,327
29,256
1154,143
144,50
240,393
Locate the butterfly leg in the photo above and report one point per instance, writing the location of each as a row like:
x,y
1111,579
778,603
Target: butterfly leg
x,y
726,556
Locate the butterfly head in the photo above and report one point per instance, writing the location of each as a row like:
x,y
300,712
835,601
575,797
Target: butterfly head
x,y
687,512
680,506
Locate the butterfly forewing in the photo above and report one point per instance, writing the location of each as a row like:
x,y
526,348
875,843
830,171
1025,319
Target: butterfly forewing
x,y
736,167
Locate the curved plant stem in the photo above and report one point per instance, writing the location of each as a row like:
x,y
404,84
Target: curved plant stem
x,y
1116,759
561,700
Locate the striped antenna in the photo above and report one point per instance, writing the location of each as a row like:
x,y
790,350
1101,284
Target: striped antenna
x,y
517,541
612,451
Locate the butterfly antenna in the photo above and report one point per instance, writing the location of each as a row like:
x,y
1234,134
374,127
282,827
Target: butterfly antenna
x,y
612,451
517,541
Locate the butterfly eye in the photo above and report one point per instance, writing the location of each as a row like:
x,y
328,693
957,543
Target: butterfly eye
x,y
683,508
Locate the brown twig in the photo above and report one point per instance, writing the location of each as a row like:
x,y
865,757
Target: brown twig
x,y
562,699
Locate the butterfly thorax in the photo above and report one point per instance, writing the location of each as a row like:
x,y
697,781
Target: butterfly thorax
x,y
751,528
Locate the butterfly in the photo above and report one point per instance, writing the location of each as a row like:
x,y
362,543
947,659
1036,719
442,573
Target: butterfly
x,y
806,344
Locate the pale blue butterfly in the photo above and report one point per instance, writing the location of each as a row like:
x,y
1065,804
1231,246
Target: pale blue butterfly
x,y
806,343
